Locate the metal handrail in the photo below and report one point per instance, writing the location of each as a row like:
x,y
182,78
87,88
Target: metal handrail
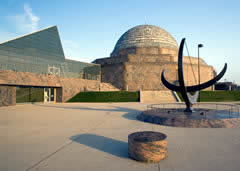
x,y
231,108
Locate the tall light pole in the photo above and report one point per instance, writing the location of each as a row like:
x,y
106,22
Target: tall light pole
x,y
199,46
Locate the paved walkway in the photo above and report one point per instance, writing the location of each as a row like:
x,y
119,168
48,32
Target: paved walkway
x,y
66,137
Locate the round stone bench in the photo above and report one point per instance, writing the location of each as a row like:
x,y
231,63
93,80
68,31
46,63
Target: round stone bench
x,y
147,146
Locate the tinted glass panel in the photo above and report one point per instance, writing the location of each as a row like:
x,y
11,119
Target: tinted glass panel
x,y
29,94
42,53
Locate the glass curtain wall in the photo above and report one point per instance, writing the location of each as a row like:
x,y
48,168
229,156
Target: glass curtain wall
x,y
42,53
29,94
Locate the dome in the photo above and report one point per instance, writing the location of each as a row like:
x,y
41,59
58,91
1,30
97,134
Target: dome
x,y
145,36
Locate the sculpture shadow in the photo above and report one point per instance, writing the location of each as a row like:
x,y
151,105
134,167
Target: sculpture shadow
x,y
131,114
101,143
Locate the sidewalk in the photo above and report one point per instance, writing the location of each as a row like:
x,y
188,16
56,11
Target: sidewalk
x,y
93,136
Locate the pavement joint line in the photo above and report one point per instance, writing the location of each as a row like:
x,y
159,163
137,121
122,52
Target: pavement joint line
x,y
64,146
50,155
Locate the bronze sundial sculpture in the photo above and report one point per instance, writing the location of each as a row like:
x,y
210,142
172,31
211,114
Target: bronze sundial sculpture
x,y
182,88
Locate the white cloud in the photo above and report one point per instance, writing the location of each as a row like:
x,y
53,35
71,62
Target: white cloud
x,y
26,22
71,49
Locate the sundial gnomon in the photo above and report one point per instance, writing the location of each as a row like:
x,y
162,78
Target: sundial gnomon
x,y
185,90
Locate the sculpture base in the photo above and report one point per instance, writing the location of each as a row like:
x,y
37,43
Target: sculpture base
x,y
188,110
200,118
147,146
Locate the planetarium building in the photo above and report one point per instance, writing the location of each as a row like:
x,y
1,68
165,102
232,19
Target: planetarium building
x,y
33,67
141,54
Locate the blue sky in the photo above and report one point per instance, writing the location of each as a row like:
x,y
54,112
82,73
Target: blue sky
x,y
89,29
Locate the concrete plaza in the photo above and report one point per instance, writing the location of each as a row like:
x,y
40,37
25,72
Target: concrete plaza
x,y
93,136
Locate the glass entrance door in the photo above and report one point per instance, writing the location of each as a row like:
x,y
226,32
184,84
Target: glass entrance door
x,y
49,95
52,95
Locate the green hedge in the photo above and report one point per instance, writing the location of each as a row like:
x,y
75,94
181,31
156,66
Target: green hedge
x,y
217,96
109,96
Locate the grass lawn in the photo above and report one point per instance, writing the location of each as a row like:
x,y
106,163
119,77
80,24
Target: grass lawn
x,y
218,96
110,96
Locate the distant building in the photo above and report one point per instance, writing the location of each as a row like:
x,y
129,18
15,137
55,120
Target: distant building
x,y
140,56
228,86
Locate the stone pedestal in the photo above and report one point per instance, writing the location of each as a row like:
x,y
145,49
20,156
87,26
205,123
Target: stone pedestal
x,y
147,146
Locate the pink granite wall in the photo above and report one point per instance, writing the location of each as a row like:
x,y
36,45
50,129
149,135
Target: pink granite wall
x,y
147,76
140,75
113,74
140,69
66,87
7,95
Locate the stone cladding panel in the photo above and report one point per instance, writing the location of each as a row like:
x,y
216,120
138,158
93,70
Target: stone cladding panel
x,y
68,86
147,76
143,72
7,95
113,73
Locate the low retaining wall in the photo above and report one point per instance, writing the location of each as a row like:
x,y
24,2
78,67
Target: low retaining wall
x,y
157,96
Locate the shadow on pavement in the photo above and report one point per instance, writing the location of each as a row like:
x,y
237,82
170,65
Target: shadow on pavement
x,y
131,114
101,143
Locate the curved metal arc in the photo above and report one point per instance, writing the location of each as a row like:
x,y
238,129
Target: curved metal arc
x,y
182,87
195,87
208,83
180,74
169,85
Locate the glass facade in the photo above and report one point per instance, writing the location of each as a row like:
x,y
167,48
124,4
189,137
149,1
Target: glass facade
x,y
29,94
42,53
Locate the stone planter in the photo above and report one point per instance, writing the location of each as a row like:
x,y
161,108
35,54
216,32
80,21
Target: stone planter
x,y
147,146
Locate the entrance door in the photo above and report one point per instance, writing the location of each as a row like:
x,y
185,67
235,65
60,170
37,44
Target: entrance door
x,y
49,95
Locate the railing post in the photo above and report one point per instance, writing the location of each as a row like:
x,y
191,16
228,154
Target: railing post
x,y
238,110
229,111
